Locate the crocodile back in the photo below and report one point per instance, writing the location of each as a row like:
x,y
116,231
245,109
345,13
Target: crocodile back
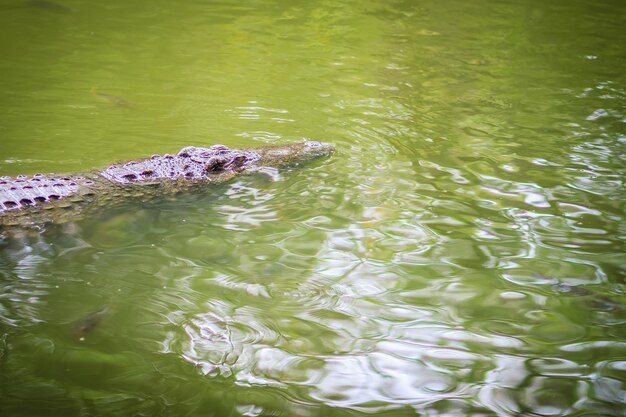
x,y
23,191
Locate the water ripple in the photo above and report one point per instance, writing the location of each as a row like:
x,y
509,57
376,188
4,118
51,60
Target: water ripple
x,y
461,253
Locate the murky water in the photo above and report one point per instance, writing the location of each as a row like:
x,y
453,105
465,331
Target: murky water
x,y
462,253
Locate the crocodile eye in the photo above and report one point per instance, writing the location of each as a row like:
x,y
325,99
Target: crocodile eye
x,y
215,164
239,160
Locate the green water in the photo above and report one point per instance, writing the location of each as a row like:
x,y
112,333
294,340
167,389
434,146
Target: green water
x,y
462,253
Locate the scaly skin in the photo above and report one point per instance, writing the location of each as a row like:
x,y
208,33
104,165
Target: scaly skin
x,y
39,199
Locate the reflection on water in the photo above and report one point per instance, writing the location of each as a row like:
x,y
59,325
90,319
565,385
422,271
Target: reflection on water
x,y
461,254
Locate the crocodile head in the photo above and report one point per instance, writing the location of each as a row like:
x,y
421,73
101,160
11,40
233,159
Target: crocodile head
x,y
198,163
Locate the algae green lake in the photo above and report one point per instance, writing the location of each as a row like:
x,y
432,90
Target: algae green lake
x,y
462,253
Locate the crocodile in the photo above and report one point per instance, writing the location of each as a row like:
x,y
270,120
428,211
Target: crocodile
x,y
47,198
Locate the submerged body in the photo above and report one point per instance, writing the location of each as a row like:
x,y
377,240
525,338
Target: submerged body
x,y
31,200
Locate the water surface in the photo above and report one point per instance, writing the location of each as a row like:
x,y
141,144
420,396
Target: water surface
x,y
462,253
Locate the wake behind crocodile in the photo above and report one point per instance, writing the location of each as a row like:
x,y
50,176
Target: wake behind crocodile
x,y
40,199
